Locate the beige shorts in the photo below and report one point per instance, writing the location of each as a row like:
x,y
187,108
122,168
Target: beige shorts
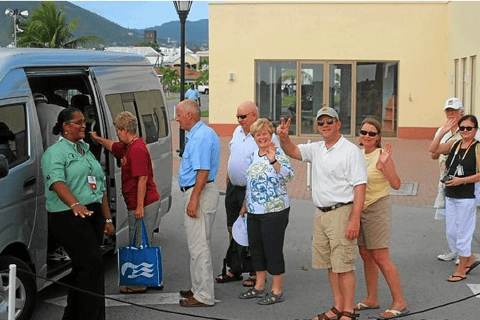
x,y
330,247
375,224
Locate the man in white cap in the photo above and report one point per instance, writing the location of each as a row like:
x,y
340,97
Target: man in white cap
x,y
338,192
453,111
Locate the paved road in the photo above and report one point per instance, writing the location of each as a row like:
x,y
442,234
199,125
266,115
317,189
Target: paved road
x,y
416,240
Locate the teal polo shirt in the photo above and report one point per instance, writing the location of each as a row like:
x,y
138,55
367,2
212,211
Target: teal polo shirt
x,y
62,162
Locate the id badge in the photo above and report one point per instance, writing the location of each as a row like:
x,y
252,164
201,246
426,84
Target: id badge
x,y
459,171
92,181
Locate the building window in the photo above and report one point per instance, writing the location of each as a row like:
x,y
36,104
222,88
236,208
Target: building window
x,y
377,94
332,84
473,75
276,86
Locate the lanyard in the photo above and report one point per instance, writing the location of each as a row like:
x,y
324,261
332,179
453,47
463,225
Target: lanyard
x,y
458,149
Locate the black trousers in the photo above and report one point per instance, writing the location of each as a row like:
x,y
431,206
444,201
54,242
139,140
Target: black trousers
x,y
81,238
234,197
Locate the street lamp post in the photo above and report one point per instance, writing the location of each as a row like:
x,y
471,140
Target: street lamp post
x,y
15,14
183,8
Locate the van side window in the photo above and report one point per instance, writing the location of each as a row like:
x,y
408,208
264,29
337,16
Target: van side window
x,y
13,134
149,109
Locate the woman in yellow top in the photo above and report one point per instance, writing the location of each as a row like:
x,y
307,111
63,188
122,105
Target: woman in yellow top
x,y
376,219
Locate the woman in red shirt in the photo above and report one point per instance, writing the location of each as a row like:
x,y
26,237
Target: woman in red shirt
x,y
138,186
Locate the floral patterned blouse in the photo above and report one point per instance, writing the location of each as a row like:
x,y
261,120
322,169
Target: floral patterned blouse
x,y
267,189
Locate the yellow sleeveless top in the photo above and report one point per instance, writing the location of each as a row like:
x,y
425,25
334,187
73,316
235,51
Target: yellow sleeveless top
x,y
377,185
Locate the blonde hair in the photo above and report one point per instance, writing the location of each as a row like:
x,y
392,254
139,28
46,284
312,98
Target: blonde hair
x,y
126,120
260,124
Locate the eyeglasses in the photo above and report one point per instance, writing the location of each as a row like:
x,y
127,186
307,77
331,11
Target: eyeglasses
x,y
243,116
370,133
79,122
322,122
466,128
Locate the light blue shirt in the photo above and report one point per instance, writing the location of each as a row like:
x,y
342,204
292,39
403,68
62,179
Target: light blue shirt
x,y
192,94
202,152
241,147
267,189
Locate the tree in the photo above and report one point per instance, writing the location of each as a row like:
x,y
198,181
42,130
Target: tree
x,y
204,77
48,28
170,77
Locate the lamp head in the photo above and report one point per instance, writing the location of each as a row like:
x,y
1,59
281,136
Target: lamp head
x,y
24,13
183,6
9,12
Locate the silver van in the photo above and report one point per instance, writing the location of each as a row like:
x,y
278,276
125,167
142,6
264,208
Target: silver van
x,y
107,83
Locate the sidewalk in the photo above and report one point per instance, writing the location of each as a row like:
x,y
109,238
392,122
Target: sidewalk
x,y
411,157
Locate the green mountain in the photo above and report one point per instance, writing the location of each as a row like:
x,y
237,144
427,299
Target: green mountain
x,y
111,33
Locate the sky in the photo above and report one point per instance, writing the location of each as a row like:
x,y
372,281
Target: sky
x,y
142,14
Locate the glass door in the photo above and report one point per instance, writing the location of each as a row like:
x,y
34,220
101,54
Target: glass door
x,y
310,96
340,94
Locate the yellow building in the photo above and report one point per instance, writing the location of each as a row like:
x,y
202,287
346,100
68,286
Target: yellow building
x,y
396,61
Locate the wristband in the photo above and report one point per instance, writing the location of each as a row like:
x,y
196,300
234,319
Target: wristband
x,y
75,204
273,162
109,221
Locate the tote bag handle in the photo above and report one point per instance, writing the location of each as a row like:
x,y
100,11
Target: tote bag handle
x,y
144,235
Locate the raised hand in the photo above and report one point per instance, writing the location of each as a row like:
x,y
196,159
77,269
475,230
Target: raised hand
x,y
385,153
451,123
270,151
284,128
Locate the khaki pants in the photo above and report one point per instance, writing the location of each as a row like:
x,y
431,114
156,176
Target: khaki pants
x,y
199,232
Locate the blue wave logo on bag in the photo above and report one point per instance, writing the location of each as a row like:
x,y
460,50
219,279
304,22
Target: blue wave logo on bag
x,y
142,270
140,266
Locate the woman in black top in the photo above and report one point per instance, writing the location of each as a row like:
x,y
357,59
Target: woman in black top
x,y
460,177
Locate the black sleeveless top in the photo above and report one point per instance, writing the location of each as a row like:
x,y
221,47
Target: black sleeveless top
x,y
463,191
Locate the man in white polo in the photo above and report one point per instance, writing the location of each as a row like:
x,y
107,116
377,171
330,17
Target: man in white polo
x,y
338,192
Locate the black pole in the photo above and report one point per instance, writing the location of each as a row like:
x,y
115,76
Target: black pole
x,y
183,19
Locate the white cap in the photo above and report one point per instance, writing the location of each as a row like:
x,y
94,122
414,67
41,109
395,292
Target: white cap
x,y
453,103
327,111
38,96
239,231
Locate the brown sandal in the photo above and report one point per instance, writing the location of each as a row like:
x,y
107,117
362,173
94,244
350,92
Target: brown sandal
x,y
350,315
323,316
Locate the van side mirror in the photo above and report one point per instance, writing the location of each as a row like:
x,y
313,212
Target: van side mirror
x,y
3,166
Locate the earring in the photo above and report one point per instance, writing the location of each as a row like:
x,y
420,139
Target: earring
x,y
66,132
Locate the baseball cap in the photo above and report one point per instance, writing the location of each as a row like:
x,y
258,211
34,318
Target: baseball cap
x,y
327,111
239,231
38,96
453,103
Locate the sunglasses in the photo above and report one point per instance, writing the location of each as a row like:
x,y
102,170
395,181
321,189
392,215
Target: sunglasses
x,y
243,116
370,133
322,122
466,128
79,122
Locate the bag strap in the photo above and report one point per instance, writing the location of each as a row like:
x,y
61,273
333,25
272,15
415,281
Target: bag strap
x,y
144,235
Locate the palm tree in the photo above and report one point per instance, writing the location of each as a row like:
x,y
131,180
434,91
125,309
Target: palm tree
x,y
47,28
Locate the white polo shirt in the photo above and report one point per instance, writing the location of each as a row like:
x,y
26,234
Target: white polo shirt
x,y
241,147
335,171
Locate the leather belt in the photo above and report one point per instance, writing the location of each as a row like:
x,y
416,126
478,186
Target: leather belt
x,y
335,206
183,189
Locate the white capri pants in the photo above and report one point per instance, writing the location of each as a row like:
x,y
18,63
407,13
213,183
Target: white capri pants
x,y
460,219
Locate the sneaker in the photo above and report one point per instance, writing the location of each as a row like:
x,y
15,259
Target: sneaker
x,y
447,256
58,255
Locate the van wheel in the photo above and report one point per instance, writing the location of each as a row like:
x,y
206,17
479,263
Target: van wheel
x,y
206,91
25,293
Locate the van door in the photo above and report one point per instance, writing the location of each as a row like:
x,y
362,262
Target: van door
x,y
136,89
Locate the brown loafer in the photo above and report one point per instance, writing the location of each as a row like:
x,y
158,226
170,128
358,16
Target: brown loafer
x,y
186,293
192,302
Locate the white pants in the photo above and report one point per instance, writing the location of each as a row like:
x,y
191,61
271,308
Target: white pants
x,y
460,219
199,232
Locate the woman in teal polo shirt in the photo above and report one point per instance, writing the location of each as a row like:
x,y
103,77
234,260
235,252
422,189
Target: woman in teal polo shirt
x,y
78,212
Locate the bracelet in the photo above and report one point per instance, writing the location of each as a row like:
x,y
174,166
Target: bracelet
x,y
75,204
109,220
273,162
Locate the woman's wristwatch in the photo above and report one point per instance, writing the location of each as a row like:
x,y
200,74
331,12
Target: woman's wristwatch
x,y
273,162
109,220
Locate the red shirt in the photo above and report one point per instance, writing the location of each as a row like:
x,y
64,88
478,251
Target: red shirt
x,y
136,162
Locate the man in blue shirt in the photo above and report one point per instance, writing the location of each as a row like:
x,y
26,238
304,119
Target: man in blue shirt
x,y
196,177
193,94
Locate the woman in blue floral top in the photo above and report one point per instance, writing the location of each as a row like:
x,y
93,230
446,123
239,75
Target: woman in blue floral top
x,y
268,207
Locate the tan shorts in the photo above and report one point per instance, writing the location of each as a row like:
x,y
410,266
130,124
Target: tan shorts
x,y
375,224
330,247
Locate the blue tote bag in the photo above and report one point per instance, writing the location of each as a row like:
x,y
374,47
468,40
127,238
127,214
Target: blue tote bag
x,y
140,266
